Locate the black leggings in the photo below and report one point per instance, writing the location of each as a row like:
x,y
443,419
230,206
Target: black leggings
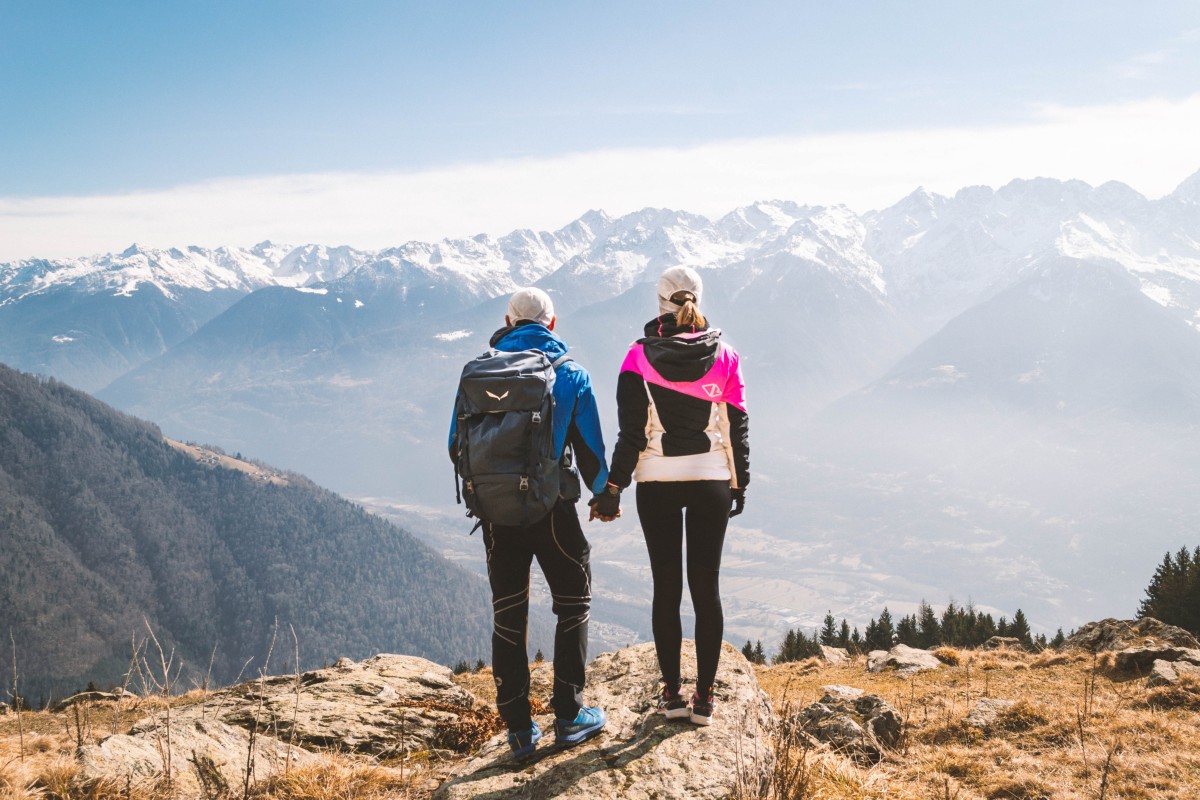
x,y
660,506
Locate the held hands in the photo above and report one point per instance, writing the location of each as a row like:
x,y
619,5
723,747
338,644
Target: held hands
x,y
737,502
606,506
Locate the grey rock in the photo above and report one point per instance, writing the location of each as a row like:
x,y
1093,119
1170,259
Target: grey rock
x,y
89,697
862,727
986,711
834,655
4,709
1139,660
1117,634
196,752
906,660
385,705
842,692
1167,673
1003,642
640,755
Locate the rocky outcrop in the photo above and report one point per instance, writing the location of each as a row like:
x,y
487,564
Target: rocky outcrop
x,y
198,754
862,727
1003,642
386,705
640,755
834,655
1139,660
1117,634
90,697
842,692
1168,673
986,711
904,659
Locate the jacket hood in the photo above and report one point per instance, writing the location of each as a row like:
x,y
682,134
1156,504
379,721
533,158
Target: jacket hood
x,y
528,336
680,358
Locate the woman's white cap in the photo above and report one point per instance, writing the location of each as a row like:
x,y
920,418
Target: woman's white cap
x,y
677,279
532,304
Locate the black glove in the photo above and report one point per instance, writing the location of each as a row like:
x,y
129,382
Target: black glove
x,y
608,502
737,503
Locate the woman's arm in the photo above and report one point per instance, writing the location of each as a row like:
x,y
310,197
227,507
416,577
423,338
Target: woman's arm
x,y
633,409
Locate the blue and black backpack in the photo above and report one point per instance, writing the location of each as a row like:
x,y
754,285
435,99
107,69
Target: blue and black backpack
x,y
504,437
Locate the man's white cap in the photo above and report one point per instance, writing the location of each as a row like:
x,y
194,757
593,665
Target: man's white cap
x,y
677,279
532,304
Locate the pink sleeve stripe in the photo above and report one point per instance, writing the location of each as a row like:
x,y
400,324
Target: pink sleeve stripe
x,y
721,384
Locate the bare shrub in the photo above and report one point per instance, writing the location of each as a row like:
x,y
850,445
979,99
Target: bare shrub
x,y
949,656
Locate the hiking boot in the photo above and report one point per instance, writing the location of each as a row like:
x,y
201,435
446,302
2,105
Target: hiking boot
x,y
523,743
586,724
702,709
672,705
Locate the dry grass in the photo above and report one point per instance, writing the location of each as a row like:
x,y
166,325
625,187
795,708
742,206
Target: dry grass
x,y
1073,733
335,778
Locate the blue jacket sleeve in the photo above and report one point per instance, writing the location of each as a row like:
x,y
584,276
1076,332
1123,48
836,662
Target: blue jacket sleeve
x,y
585,435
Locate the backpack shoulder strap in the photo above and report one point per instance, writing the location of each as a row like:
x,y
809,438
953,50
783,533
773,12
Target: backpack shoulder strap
x,y
558,362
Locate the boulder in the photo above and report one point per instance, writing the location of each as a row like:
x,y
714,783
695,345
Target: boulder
x,y
983,715
906,660
1117,634
201,756
1002,642
862,727
834,655
1139,660
842,692
90,697
386,705
1167,673
640,754
4,709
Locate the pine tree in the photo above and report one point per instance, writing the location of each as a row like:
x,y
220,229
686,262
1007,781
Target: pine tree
x,y
1058,639
748,651
886,631
951,625
927,625
1173,595
906,630
1020,629
844,634
829,634
759,656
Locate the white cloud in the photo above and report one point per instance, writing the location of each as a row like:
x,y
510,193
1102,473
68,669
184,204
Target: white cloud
x,y
1150,145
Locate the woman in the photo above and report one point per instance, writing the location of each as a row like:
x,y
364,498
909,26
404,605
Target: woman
x,y
684,438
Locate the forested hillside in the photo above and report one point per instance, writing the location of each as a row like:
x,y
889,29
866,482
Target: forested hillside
x,y
105,526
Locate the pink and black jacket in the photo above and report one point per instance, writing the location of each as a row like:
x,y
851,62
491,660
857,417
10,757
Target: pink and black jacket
x,y
681,407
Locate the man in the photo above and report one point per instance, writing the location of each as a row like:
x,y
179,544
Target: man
x,y
556,540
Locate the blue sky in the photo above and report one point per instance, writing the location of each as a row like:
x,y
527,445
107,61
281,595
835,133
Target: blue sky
x,y
119,99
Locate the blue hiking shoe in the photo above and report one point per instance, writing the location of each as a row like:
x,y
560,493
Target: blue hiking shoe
x,y
524,742
586,724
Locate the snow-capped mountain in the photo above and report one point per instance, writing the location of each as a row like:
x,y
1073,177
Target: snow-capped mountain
x,y
1005,377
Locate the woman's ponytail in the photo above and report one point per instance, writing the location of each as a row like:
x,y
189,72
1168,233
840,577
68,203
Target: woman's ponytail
x,y
689,312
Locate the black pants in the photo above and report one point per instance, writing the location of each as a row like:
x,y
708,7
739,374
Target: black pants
x,y
661,506
558,544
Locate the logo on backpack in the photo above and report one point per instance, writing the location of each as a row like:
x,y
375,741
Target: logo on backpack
x,y
504,437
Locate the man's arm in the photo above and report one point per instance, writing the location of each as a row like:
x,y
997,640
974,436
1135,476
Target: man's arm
x,y
585,435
